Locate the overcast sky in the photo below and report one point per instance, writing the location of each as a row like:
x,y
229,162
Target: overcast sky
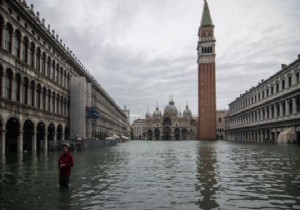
x,y
143,51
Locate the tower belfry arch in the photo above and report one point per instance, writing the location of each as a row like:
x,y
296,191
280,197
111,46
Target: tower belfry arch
x,y
206,78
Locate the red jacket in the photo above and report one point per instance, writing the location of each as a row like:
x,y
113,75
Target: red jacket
x,y
68,160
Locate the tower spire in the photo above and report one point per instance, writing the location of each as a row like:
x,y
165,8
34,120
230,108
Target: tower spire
x,y
206,18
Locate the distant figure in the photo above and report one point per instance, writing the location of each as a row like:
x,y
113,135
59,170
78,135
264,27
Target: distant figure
x,y
65,163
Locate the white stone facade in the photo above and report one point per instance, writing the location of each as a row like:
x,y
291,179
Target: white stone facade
x,y
268,109
221,115
35,73
138,128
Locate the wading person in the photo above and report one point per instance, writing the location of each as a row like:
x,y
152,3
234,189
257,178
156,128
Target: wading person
x,y
65,163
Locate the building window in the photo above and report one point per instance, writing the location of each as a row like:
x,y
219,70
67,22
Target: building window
x,y
18,88
44,64
290,106
32,91
283,84
220,120
38,59
18,44
49,67
26,91
38,98
267,92
290,81
25,50
272,90
277,87
297,78
32,53
8,84
44,98
8,37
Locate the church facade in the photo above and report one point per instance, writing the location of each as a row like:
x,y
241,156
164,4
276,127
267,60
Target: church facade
x,y
171,124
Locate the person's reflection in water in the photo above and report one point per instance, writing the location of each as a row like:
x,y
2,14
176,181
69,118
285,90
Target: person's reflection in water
x,y
206,177
64,199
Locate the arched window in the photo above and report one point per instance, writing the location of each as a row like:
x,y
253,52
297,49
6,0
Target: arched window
x,y
1,80
290,106
298,104
44,98
18,87
17,44
53,103
38,59
1,28
8,37
61,105
8,84
61,76
53,70
220,119
32,93
26,87
49,67
49,100
32,54
57,73
25,50
38,97
44,64
57,104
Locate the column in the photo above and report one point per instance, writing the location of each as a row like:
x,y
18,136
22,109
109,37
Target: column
x,y
3,138
20,142
281,109
34,142
287,107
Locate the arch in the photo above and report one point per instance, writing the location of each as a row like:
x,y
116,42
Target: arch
x,y
25,48
38,59
40,135
149,134
38,96
167,121
12,135
32,93
8,37
28,131
26,90
59,132
51,133
8,84
1,80
32,53
18,87
184,134
1,28
156,133
166,133
177,134
67,132
44,63
17,44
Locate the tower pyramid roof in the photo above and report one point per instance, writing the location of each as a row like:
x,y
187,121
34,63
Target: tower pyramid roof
x,y
206,19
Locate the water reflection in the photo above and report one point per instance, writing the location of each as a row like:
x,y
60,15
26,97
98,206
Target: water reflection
x,y
171,175
207,184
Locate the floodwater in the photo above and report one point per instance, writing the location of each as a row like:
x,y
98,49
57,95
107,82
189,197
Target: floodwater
x,y
158,175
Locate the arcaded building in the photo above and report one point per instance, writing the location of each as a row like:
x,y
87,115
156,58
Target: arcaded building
x,y
139,129
171,124
206,78
39,98
269,109
221,116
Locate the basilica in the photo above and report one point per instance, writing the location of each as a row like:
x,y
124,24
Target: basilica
x,y
171,124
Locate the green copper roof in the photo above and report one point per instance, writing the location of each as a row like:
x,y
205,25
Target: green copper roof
x,y
206,19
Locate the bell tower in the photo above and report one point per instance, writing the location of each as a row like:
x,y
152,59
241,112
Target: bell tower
x,y
206,78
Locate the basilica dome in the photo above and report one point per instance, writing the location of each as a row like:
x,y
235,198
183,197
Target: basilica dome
x,y
157,113
171,109
187,112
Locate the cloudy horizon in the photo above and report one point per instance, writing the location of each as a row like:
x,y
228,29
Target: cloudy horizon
x,y
142,52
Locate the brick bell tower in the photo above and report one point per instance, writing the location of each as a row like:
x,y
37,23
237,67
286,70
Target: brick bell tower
x,y
206,78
